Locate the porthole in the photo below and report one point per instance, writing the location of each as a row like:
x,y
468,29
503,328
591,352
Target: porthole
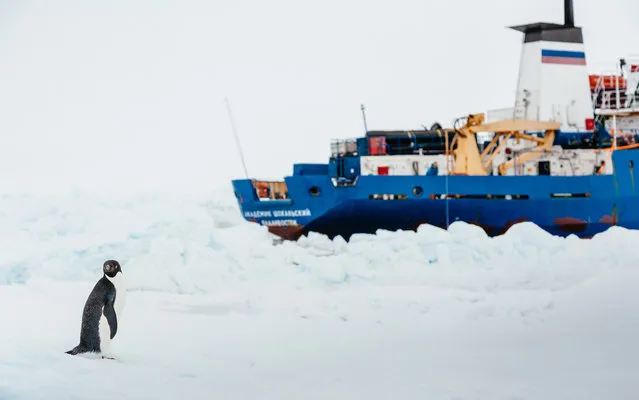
x,y
417,191
314,191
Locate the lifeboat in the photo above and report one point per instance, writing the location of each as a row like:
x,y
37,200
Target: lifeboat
x,y
609,82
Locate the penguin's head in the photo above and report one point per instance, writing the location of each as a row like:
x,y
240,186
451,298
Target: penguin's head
x,y
111,268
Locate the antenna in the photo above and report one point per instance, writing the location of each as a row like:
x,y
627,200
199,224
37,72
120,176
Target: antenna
x,y
237,139
364,117
569,17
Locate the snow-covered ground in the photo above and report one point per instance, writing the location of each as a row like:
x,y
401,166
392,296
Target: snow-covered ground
x,y
217,310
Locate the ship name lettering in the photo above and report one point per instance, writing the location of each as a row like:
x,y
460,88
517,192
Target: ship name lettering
x,y
279,222
258,214
292,213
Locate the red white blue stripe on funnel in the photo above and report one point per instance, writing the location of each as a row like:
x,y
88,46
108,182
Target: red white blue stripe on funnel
x,y
563,57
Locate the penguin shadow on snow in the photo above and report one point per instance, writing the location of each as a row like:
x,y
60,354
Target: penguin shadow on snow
x,y
102,313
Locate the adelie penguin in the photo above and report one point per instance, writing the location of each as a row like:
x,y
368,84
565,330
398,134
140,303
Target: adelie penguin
x,y
102,312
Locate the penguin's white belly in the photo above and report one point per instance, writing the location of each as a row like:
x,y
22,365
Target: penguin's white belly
x,y
118,306
120,294
120,301
105,335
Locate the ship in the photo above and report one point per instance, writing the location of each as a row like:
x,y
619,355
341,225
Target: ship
x,y
562,158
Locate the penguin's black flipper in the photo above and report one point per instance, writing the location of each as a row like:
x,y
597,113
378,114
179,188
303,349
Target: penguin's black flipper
x,y
109,313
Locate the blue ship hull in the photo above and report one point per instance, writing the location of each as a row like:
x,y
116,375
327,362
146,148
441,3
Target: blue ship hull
x,y
561,205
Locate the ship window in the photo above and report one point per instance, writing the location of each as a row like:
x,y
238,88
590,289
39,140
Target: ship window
x,y
544,168
451,196
569,195
387,196
314,191
417,190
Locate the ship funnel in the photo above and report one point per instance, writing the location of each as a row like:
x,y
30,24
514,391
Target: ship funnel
x,y
553,80
569,17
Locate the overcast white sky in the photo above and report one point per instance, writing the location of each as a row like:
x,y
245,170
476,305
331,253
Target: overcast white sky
x,y
129,94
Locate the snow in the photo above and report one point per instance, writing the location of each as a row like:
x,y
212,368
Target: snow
x,y
217,308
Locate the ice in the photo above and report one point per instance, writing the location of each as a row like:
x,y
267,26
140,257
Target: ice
x,y
218,309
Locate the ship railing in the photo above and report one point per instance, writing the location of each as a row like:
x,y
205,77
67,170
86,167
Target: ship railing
x,y
342,182
616,89
611,101
343,147
608,101
604,86
609,92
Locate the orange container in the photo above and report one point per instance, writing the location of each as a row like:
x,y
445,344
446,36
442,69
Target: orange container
x,y
377,145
